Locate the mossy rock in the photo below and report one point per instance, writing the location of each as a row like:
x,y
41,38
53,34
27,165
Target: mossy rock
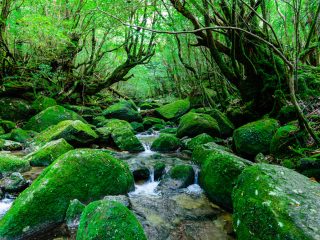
x,y
14,109
86,175
51,116
20,135
174,110
287,114
10,163
225,125
74,132
159,169
309,166
193,124
201,152
123,111
123,136
7,126
42,103
284,138
273,202
218,176
45,155
201,139
137,127
166,143
7,145
255,137
169,131
109,220
180,176
149,122
149,105
2,131
73,213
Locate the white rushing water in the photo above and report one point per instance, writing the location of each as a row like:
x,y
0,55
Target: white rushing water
x,y
147,188
5,205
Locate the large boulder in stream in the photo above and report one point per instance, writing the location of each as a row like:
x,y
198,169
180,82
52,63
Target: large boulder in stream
x,y
10,163
166,143
109,220
45,155
51,116
218,176
124,111
180,176
193,124
174,110
255,137
273,202
74,132
86,175
14,109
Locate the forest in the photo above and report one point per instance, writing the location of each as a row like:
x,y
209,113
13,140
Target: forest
x,y
160,119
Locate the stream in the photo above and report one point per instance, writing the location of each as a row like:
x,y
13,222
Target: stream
x,y
165,214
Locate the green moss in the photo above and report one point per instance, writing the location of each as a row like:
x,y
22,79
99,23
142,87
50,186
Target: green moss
x,y
185,173
137,127
193,124
7,125
218,176
169,131
273,202
14,109
199,140
149,122
42,103
20,135
159,169
45,155
51,116
166,143
255,137
123,111
74,132
109,220
10,163
225,125
287,114
284,138
7,145
173,110
74,212
148,106
84,174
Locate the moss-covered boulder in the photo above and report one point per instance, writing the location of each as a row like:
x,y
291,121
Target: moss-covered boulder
x,y
180,176
284,138
137,127
85,175
51,116
159,169
14,183
10,163
287,114
123,136
149,105
14,109
42,103
7,145
20,135
225,125
149,122
74,132
173,110
169,130
123,111
193,124
218,176
73,213
166,143
109,220
45,155
255,137
7,126
199,140
273,202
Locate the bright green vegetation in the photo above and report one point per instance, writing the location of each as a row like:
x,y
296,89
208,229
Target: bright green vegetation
x,y
109,220
42,103
10,163
184,173
273,202
255,137
166,143
124,111
225,125
173,110
149,122
199,140
193,124
51,116
46,201
45,155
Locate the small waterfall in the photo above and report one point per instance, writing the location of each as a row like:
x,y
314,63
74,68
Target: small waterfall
x,y
5,205
195,188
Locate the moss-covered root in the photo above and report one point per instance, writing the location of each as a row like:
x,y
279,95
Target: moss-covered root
x,y
84,174
109,220
273,202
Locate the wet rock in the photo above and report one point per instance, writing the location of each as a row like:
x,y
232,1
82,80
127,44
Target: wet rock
x,y
166,143
159,170
149,122
137,127
124,200
45,155
218,175
140,172
20,135
73,215
193,124
255,137
84,174
14,109
180,176
273,202
174,110
123,111
14,183
51,116
149,105
10,163
199,140
42,103
74,132
109,220
7,145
